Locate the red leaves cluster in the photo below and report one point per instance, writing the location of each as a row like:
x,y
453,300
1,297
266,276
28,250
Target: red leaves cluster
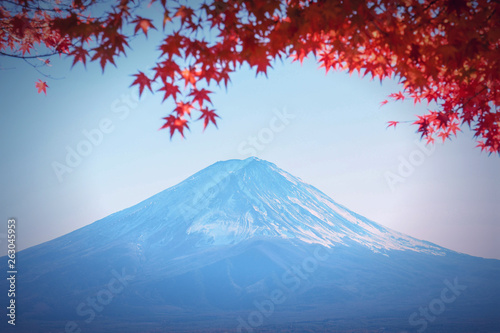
x,y
443,52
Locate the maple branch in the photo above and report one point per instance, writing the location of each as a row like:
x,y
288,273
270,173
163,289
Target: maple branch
x,y
35,67
28,57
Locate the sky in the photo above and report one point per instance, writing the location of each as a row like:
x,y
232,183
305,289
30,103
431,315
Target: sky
x,y
329,130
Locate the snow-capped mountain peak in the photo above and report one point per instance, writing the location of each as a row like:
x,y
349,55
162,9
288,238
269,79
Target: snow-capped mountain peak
x,y
237,200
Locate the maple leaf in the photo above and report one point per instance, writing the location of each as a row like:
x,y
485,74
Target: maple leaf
x,y
170,90
166,69
189,76
79,54
183,108
41,86
443,119
46,62
144,24
397,96
208,116
172,45
392,123
63,46
166,17
262,65
105,54
143,81
175,124
299,55
259,58
384,103
444,135
185,13
200,96
453,127
117,43
25,48
209,73
423,123
483,146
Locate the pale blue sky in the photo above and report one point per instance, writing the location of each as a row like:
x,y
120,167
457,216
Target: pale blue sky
x,y
337,141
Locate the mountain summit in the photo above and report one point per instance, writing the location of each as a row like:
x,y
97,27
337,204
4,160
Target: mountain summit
x,y
243,246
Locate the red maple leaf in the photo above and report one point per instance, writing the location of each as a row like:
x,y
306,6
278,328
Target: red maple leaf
x,y
200,96
209,73
175,124
185,13
208,116
444,135
105,54
453,127
41,86
166,69
79,54
25,47
143,81
170,90
397,96
189,76
144,24
392,123
172,45
183,108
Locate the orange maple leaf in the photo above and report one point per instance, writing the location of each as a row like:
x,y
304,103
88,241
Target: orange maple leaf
x,y
41,86
189,77
183,108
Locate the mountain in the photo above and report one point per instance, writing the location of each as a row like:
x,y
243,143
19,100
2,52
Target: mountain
x,y
243,246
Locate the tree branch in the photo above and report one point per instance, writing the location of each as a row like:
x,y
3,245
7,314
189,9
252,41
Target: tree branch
x,y
28,57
